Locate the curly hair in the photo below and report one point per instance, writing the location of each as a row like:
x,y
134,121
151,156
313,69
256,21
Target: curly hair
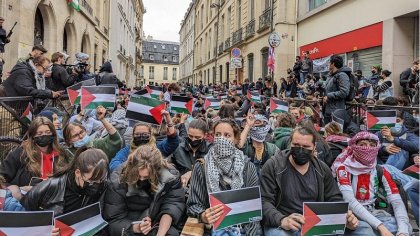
x,y
144,157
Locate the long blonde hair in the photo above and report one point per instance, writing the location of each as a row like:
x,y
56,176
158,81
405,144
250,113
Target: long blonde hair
x,y
144,157
31,154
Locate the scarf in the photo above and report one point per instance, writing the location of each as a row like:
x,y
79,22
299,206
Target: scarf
x,y
40,80
337,138
258,133
358,160
224,162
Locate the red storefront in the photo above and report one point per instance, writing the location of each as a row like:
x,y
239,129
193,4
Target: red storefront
x,y
361,48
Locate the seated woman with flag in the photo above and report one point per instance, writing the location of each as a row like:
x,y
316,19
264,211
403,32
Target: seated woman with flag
x,y
76,137
361,181
145,196
142,135
39,156
225,167
79,184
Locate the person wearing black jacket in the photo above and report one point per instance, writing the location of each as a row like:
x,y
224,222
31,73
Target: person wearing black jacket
x,y
297,66
80,184
27,79
60,78
145,196
106,76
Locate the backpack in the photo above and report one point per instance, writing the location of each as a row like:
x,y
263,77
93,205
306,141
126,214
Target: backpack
x,y
381,201
354,86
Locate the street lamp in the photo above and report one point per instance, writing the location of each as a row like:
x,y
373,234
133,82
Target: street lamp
x,y
217,6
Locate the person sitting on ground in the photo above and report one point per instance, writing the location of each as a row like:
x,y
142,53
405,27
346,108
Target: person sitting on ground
x,y
349,127
357,175
336,139
146,188
284,126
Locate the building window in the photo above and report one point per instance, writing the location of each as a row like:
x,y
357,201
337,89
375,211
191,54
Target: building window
x,y
165,73
165,58
174,58
154,46
316,3
175,48
174,73
163,46
151,57
141,71
151,72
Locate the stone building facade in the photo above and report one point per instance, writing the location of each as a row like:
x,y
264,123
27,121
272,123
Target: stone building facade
x,y
186,50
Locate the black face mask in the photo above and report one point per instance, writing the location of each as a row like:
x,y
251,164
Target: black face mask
x,y
194,144
373,72
143,184
44,140
91,189
140,140
301,156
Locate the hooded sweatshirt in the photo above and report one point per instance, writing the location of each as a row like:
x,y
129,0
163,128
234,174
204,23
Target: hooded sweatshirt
x,y
281,137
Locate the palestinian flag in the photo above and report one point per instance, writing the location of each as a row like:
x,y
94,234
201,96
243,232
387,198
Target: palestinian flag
x,y
2,198
75,4
412,171
182,105
85,222
240,206
324,218
212,103
143,92
94,96
378,119
238,91
24,223
154,91
74,91
27,115
278,106
145,109
254,96
223,96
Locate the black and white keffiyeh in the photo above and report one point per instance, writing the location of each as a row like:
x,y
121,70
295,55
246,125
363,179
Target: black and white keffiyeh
x,y
258,133
224,161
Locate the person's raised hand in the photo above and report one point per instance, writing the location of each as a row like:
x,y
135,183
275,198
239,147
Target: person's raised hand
x,y
100,112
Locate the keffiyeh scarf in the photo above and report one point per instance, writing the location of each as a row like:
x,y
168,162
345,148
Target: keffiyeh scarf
x,y
40,80
224,162
258,133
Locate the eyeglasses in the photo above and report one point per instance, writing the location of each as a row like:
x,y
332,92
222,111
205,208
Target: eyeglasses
x,y
81,134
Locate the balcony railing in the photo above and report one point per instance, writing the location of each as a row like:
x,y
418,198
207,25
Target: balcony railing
x,y
237,37
250,29
227,43
265,20
86,6
221,48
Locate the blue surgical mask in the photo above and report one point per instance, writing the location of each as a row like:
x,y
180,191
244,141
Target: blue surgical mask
x,y
397,128
82,142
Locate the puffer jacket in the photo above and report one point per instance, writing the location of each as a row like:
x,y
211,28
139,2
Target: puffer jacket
x,y
337,88
121,200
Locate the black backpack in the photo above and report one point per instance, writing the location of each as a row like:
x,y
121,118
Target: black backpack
x,y
354,86
381,201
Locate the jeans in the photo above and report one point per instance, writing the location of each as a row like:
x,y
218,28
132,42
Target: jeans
x,y
362,230
302,77
398,160
413,195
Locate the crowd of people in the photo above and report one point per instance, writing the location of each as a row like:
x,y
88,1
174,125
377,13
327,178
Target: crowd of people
x,y
151,179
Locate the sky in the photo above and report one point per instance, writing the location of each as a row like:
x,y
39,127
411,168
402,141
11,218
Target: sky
x,y
163,18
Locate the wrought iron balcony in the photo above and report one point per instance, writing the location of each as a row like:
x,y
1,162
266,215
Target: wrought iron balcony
x,y
250,29
220,48
265,20
86,6
237,37
227,43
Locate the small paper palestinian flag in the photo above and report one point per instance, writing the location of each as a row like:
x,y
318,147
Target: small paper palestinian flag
x,y
223,96
2,198
74,91
182,105
278,106
239,206
154,91
324,218
143,92
27,115
145,109
212,103
86,221
378,119
412,171
238,91
94,96
24,223
254,96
